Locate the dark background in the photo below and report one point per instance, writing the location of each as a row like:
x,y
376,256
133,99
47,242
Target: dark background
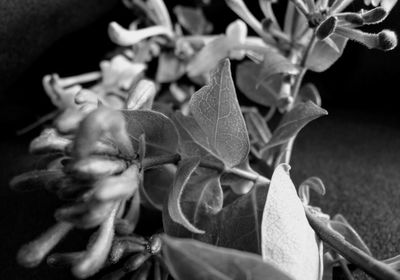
x,y
355,150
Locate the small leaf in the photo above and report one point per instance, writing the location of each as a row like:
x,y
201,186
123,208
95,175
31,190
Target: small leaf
x,y
192,19
266,93
216,109
161,134
185,170
275,63
287,239
236,226
341,225
309,92
190,259
324,55
170,68
293,122
238,184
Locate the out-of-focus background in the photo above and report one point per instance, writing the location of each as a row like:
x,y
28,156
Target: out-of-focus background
x,y
355,150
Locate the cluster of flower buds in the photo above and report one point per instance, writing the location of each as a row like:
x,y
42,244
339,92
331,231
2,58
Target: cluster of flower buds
x,y
110,87
329,19
97,173
90,162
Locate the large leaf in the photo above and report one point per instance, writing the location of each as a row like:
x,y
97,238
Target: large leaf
x,y
160,132
324,54
190,259
236,226
216,109
293,121
287,238
266,93
193,141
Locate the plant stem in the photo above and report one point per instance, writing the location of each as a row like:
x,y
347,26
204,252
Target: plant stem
x,y
151,162
295,91
370,265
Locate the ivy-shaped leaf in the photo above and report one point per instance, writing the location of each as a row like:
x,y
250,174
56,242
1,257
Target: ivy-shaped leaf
x,y
293,121
185,170
266,93
192,19
287,238
273,64
216,109
193,141
157,182
309,92
324,54
236,226
203,193
190,259
161,134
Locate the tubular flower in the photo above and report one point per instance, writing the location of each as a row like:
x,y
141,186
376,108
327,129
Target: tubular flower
x,y
331,20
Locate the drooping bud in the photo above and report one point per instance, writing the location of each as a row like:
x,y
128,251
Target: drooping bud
x,y
136,261
326,28
36,179
32,254
48,141
98,250
373,16
85,215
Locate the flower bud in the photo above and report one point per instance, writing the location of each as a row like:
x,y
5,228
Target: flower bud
x,y
32,254
47,142
387,40
98,250
85,215
60,260
95,167
136,261
142,96
326,28
375,15
36,179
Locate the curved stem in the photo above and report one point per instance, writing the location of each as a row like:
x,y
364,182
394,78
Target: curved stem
x,y
370,265
295,91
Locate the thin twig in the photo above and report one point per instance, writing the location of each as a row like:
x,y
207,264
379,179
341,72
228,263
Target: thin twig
x,y
369,264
